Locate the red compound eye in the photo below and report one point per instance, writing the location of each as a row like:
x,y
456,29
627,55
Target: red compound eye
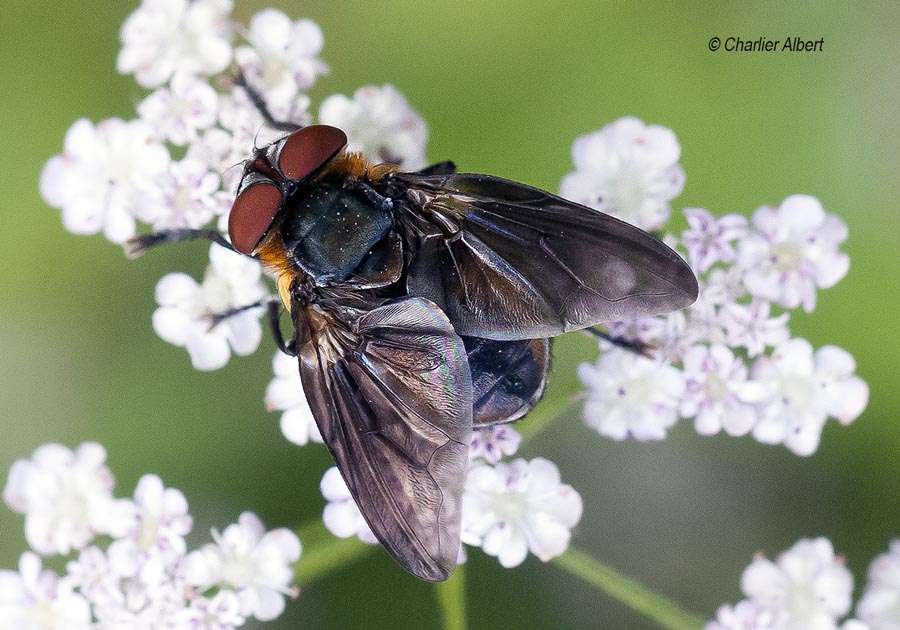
x,y
307,149
252,215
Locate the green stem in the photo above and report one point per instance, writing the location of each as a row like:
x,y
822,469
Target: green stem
x,y
564,390
451,597
536,423
634,595
324,553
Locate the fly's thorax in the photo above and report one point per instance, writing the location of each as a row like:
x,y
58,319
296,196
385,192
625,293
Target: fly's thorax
x,y
328,227
352,164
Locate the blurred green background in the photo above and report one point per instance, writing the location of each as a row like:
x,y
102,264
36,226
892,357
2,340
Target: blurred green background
x,y
505,87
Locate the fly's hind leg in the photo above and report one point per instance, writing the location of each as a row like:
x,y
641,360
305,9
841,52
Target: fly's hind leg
x,y
637,347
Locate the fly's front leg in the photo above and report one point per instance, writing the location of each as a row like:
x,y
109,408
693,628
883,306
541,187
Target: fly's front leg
x,y
273,307
138,246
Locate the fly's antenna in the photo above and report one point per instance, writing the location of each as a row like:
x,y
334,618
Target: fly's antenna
x,y
255,138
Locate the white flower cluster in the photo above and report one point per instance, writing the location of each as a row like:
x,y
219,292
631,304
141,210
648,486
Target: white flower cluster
x,y
116,175
145,577
728,362
627,169
185,308
516,507
808,588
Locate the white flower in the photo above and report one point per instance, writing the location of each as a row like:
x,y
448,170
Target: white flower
x,y
713,382
282,59
254,563
798,390
224,149
511,509
379,122
219,612
807,588
138,606
879,605
630,396
627,169
703,324
709,240
163,37
492,443
745,615
185,196
179,112
93,577
102,174
723,286
341,515
792,250
667,336
847,395
285,393
149,531
34,599
65,496
120,602
749,326
679,333
182,319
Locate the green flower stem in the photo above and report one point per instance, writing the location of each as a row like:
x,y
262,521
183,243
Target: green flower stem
x,y
324,552
634,595
540,421
451,597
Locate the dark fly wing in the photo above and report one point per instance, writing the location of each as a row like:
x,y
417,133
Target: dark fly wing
x,y
508,261
391,393
508,377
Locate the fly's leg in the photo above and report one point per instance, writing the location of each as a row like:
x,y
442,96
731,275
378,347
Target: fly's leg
x,y
138,246
637,347
288,347
260,104
273,308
